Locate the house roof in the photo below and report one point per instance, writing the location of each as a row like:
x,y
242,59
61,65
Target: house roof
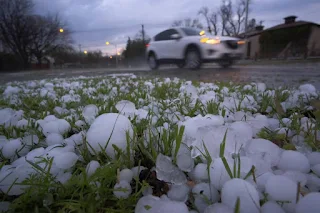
x,y
280,26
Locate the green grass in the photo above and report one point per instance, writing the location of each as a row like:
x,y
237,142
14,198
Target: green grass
x,y
95,193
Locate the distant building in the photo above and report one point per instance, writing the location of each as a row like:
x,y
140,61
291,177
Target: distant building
x,y
289,39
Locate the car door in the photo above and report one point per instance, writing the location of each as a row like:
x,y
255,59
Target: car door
x,y
170,44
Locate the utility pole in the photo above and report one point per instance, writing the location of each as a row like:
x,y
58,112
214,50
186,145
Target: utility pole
x,y
143,35
80,47
246,21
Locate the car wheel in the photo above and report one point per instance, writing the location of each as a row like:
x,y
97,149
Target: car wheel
x,y
153,62
226,63
181,64
193,59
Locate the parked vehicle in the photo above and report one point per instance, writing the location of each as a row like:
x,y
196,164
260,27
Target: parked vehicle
x,y
189,47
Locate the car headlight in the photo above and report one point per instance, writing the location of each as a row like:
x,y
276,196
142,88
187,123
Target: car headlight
x,y
241,42
210,41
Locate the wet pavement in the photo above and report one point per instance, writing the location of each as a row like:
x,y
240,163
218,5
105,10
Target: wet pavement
x,y
272,75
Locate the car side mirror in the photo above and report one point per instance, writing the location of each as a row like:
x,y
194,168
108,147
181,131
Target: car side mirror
x,y
175,36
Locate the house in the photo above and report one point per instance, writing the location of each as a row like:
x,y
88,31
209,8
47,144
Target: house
x,y
289,39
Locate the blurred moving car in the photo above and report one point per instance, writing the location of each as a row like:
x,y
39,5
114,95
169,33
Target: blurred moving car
x,y
189,47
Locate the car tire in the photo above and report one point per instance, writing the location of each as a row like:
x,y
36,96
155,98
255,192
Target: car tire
x,y
226,63
153,62
181,65
193,59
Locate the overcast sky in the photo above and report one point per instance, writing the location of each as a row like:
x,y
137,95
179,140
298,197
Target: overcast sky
x,y
98,21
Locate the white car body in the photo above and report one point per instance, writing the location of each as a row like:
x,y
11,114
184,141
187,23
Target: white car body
x,y
170,46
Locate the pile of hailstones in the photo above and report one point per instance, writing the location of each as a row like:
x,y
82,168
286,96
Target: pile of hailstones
x,y
287,181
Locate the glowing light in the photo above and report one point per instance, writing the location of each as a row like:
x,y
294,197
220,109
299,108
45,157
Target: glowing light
x,y
61,30
111,57
202,32
85,52
118,53
210,41
107,43
241,42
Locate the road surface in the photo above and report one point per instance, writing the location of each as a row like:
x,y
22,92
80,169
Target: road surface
x,y
272,75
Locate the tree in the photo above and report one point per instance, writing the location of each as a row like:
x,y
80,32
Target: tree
x,y
211,19
46,36
15,27
188,22
205,12
28,35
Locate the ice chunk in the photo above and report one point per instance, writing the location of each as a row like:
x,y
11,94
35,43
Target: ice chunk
x,y
126,175
65,160
109,129
218,173
34,154
313,182
126,107
307,88
271,206
179,192
316,169
294,161
54,138
309,204
59,126
243,131
167,172
184,160
218,208
200,172
50,118
92,167
246,192
23,124
11,90
122,189
200,203
267,150
89,113
63,177
80,123
281,188
314,158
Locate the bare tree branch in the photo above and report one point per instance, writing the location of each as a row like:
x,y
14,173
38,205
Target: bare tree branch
x,y
195,23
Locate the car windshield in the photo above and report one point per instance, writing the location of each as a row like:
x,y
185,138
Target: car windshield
x,y
191,31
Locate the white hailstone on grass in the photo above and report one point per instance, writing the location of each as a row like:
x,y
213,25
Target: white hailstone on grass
x,y
12,147
122,189
309,203
34,154
281,188
200,203
146,204
179,192
80,123
14,119
142,114
167,172
218,173
126,107
296,176
50,118
75,139
314,158
126,175
147,191
245,191
54,138
262,180
136,171
22,124
278,172
294,161
63,177
109,129
218,208
313,182
271,206
65,160
169,206
92,167
316,169
11,90
267,150
307,88
200,172
60,126
89,113
30,140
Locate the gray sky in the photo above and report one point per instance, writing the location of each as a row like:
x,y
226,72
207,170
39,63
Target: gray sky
x,y
98,21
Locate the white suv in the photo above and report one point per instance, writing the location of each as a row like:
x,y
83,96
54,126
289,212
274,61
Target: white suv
x,y
189,47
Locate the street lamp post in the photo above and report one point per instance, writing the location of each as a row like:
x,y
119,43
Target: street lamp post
x,y
108,43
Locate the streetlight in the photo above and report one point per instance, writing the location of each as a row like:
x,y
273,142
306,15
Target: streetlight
x,y
108,43
61,30
85,52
